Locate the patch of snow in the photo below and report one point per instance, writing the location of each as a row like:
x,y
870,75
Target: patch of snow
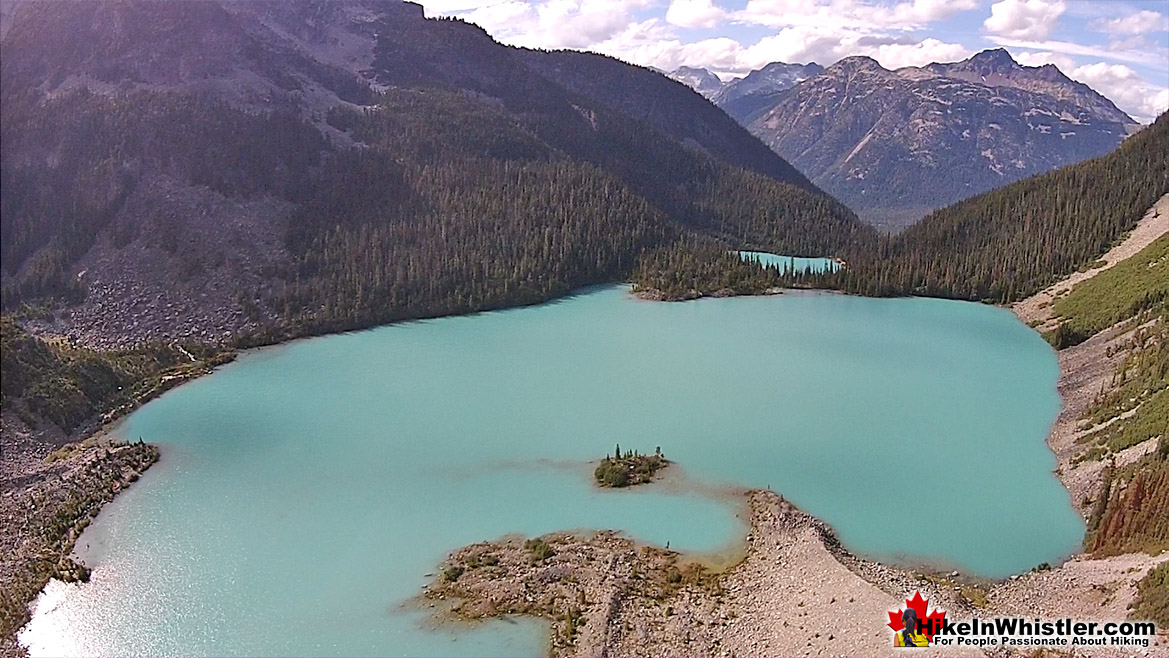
x,y
1038,110
860,145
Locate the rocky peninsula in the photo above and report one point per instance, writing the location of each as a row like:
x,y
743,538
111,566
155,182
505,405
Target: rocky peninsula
x,y
797,591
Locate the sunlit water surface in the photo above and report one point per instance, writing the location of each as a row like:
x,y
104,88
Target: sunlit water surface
x,y
306,491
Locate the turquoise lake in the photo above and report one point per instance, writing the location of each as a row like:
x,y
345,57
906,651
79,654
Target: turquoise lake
x,y
306,490
791,263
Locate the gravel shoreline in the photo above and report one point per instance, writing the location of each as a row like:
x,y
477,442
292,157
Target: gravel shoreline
x,y
44,511
796,591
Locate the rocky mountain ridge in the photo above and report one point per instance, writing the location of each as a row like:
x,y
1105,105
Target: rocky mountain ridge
x,y
773,78
697,78
894,144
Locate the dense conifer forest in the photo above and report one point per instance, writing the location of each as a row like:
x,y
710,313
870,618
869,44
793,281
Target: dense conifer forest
x,y
451,205
1014,241
72,386
447,203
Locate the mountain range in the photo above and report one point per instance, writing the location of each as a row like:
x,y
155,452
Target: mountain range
x,y
182,179
870,136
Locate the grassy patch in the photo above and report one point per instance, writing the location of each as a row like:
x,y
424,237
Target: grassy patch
x,y
1136,399
538,550
1152,602
1148,422
1139,283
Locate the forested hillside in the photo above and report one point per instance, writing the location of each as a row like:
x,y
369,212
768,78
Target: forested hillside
x,y
232,173
473,178
672,108
1010,242
72,387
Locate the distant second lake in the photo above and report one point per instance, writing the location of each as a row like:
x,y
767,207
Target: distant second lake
x,y
793,264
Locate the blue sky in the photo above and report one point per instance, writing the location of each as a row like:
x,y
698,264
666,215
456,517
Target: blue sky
x,y
1119,47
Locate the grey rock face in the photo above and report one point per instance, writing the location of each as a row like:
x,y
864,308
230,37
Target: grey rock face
x,y
895,144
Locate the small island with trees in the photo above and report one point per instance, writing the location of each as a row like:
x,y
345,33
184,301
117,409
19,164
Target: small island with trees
x,y
628,468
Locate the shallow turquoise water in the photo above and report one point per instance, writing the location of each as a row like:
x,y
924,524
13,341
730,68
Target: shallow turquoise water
x,y
306,490
790,263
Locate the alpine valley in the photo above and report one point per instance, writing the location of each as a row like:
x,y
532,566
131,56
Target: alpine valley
x,y
320,319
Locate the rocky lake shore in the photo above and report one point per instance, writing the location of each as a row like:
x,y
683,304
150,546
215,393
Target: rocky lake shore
x,y
45,510
605,594
796,591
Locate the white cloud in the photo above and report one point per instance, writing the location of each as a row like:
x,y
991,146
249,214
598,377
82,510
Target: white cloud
x,y
444,7
499,16
897,55
1159,103
1027,58
1122,85
917,13
1024,19
580,23
548,23
1141,22
1070,48
800,44
857,14
694,13
792,13
827,45
647,32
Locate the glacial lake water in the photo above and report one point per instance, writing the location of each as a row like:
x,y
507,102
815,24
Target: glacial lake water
x,y
791,263
306,490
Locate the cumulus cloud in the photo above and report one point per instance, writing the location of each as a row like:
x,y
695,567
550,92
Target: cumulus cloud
x,y
827,45
580,23
897,55
1142,100
857,14
1024,19
647,32
1141,22
694,13
914,14
550,23
497,17
1030,58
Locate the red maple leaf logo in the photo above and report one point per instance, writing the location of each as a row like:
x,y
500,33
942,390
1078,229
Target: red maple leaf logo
x,y
929,623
